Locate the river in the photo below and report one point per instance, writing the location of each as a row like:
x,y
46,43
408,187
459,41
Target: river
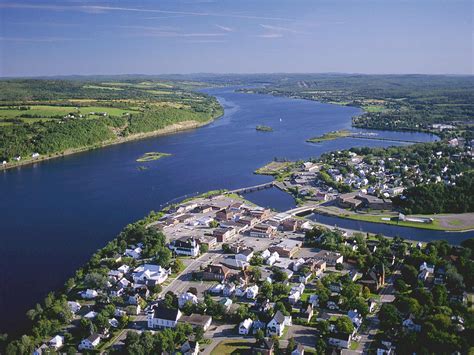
x,y
55,214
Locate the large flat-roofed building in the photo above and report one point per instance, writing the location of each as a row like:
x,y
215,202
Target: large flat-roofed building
x,y
262,231
286,248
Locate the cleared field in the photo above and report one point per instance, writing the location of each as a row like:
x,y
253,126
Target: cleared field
x,y
50,111
234,347
373,108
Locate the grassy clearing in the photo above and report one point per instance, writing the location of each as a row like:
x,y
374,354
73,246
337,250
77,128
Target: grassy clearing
x,y
373,108
273,168
49,111
330,136
228,347
151,156
394,221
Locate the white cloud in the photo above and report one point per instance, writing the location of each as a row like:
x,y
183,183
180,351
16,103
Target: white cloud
x,y
225,28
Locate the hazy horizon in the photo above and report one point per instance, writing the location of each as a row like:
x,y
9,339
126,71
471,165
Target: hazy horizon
x,y
173,37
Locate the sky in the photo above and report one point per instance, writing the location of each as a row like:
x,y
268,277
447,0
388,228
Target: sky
x,y
86,37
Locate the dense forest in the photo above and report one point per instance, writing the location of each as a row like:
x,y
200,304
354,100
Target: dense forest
x,y
439,198
396,102
35,115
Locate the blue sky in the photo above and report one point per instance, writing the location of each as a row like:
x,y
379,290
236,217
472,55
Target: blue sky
x,y
235,36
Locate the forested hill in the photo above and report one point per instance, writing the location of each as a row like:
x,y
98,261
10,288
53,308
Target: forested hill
x,y
396,102
49,117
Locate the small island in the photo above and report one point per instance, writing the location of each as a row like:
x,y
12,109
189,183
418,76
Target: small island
x,y
264,128
330,136
152,156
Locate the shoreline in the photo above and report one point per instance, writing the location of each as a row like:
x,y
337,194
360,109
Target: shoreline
x,y
392,223
171,129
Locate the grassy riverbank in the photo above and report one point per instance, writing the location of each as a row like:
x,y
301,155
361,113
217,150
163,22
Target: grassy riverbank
x,y
445,223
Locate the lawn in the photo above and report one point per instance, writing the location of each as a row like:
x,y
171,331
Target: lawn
x,y
227,347
373,108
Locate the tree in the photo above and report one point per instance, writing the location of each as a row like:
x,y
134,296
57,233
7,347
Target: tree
x,y
344,325
177,266
203,248
266,290
389,316
199,334
291,345
410,275
259,335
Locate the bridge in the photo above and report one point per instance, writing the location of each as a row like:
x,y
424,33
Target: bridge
x,y
245,190
300,210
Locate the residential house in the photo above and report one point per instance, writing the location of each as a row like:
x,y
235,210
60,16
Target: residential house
x,y
272,259
277,324
56,342
340,340
90,343
374,279
228,290
161,317
252,292
244,327
197,320
355,317
244,255
185,298
299,350
330,257
306,313
134,252
410,325
89,294
190,348
227,303
385,348
74,307
264,347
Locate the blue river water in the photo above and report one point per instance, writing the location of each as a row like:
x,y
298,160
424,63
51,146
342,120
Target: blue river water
x,y
55,214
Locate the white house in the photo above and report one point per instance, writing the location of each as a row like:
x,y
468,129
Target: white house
x,y
56,342
228,290
134,253
124,269
150,273
244,327
226,302
244,255
299,350
187,297
298,264
91,315
266,254
340,340
278,323
74,307
241,291
90,343
272,259
89,294
252,292
160,317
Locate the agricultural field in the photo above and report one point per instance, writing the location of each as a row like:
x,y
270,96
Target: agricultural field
x,y
91,114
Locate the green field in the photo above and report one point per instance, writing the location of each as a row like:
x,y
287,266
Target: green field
x,y
234,347
51,111
373,108
330,136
